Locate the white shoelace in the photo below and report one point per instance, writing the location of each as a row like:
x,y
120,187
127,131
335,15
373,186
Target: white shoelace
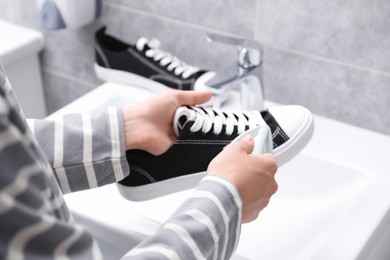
x,y
205,118
177,66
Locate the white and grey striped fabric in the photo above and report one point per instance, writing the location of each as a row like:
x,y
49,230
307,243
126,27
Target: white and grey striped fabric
x,y
40,162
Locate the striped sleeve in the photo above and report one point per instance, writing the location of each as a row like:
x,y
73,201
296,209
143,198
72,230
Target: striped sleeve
x,y
85,150
206,226
35,222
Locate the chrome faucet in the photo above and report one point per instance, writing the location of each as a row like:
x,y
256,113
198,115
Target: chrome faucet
x,y
244,75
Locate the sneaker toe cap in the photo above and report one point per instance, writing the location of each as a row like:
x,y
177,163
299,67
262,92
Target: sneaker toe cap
x,y
293,119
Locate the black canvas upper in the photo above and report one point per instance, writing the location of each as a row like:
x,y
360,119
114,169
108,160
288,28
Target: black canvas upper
x,y
279,137
116,54
191,153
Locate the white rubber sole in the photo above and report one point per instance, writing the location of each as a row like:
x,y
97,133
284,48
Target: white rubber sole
x,y
161,188
135,80
129,79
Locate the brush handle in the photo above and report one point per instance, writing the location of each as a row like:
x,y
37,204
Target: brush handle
x,y
262,139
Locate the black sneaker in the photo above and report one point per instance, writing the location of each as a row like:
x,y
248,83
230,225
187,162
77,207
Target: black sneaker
x,y
202,134
145,65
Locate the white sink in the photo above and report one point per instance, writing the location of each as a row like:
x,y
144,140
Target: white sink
x,y
333,199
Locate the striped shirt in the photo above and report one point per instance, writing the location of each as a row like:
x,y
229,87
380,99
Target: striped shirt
x,y
43,159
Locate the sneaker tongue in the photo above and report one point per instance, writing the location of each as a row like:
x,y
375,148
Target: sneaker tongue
x,y
141,43
182,116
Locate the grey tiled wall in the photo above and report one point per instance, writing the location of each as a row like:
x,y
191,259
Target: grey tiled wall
x,y
330,56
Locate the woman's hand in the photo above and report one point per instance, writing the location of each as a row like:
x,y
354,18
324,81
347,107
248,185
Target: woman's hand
x,y
148,125
253,175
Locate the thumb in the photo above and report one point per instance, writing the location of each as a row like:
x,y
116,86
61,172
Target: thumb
x,y
192,97
247,143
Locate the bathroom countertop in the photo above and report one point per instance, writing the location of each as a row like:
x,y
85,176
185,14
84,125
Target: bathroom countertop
x,y
15,39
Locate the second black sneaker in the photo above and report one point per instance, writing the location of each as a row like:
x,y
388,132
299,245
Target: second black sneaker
x,y
202,133
145,65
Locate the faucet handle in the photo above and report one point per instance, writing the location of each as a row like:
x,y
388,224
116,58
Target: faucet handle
x,y
230,40
249,51
236,41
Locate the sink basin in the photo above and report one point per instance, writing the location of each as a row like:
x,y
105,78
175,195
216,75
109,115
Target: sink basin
x,y
333,200
313,194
